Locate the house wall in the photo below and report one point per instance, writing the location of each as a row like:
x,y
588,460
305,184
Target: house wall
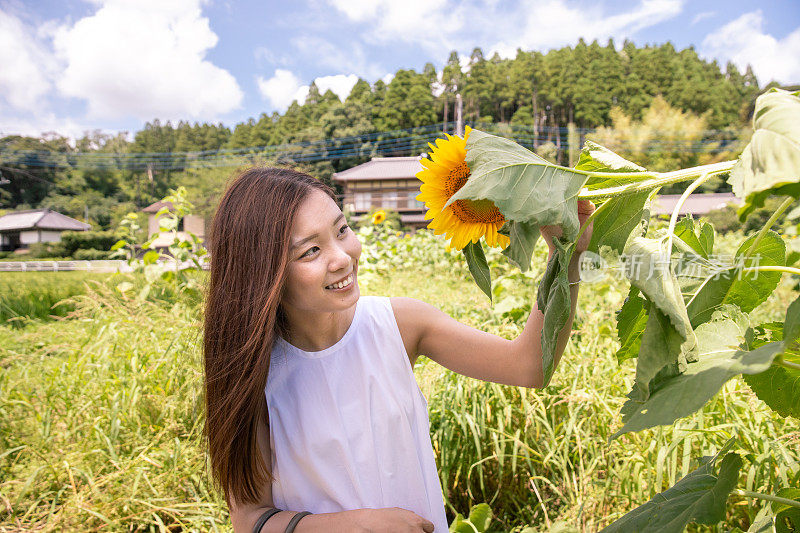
x,y
51,236
28,237
398,194
193,223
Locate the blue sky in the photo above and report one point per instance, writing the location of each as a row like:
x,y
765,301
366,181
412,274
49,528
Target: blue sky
x,y
75,65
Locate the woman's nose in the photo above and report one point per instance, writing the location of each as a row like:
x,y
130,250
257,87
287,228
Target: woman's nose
x,y
341,259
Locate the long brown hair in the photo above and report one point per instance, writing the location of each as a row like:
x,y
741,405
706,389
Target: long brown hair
x,y
249,248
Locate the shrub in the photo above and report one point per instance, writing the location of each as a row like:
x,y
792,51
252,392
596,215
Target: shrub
x,y
756,220
85,240
90,254
45,250
724,219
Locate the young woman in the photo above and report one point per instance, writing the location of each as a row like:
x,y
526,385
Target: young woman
x,y
311,401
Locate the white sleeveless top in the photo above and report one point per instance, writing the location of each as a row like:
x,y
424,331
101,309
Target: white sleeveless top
x,y
349,426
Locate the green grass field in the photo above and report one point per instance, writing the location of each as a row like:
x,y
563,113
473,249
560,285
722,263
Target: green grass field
x,y
101,416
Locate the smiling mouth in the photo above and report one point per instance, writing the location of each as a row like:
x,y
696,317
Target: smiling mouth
x,y
342,284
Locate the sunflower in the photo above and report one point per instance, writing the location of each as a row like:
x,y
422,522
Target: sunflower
x,y
379,216
463,221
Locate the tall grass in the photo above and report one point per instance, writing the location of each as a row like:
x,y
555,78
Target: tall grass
x,y
28,296
101,417
100,428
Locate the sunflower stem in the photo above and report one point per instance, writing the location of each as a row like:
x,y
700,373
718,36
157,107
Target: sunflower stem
x,y
783,207
659,179
787,364
768,497
674,218
772,268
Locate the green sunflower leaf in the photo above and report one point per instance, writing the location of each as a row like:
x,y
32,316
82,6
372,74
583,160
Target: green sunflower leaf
x,y
779,386
597,158
478,267
555,301
523,240
631,322
699,236
698,497
480,516
720,359
614,224
764,522
770,164
732,286
668,342
787,517
523,186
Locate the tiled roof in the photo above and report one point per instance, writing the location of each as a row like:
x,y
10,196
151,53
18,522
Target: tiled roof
x,y
696,204
382,168
41,219
155,207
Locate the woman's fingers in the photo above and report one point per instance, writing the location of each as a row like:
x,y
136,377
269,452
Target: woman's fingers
x,y
586,207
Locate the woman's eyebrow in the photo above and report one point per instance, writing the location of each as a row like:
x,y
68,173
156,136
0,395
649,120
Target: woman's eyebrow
x,y
314,236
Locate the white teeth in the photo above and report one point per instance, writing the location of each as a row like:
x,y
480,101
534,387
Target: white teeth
x,y
341,284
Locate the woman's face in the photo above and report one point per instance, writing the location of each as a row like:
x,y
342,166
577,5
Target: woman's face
x,y
323,252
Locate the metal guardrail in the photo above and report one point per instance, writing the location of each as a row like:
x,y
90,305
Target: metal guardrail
x,y
99,265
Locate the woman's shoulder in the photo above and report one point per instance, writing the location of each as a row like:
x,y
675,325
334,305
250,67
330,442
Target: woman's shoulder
x,y
409,313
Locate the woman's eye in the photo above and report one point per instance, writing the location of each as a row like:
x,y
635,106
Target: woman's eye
x,y
308,252
343,229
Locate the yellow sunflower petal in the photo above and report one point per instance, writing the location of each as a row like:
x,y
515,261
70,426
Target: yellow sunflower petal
x,y
443,173
503,240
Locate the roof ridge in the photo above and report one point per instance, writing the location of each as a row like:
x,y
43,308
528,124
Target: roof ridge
x,y
24,211
45,212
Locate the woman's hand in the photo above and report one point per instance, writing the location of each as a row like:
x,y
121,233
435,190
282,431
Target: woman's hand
x,y
389,520
585,209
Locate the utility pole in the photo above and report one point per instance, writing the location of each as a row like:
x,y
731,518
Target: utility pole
x,y
446,105
459,116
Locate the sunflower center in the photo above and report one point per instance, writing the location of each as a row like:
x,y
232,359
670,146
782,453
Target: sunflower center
x,y
469,210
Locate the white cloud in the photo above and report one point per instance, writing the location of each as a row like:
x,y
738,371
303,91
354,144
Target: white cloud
x,y
145,59
323,53
744,42
282,88
37,124
704,15
426,22
26,65
451,24
553,23
340,84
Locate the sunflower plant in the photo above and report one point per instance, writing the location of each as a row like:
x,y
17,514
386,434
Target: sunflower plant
x,y
689,333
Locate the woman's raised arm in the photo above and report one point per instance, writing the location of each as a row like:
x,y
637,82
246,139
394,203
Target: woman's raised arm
x,y
478,354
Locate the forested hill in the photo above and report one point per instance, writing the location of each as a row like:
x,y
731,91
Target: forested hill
x,y
579,84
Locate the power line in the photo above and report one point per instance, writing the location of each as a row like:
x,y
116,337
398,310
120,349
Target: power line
x,y
410,141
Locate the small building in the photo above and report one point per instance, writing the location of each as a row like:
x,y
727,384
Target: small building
x,y
384,182
695,204
190,223
20,229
